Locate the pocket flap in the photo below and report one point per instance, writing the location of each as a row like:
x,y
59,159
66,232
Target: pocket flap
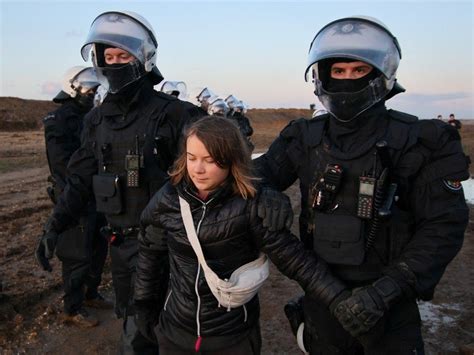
x,y
340,228
105,185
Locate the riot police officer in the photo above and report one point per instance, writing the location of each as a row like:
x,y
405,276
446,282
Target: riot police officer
x,y
175,88
82,250
381,197
237,110
128,144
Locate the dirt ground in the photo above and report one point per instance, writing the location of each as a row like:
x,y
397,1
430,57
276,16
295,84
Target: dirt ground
x,y
30,299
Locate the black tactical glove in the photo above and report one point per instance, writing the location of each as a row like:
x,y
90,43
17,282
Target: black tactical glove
x,y
45,249
361,311
275,210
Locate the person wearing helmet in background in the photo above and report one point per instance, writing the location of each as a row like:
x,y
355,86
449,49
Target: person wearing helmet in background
x,y
217,107
81,248
175,88
237,112
203,98
128,144
381,197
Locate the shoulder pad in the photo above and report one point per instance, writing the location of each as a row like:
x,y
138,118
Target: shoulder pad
x,y
49,117
435,133
402,116
293,128
309,132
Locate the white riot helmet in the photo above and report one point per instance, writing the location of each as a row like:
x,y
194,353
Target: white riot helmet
x,y
78,82
217,107
235,105
175,88
128,31
355,38
204,98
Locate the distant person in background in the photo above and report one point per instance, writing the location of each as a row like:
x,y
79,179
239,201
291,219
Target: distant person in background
x,y
381,195
81,248
175,88
204,97
217,107
440,117
237,113
454,122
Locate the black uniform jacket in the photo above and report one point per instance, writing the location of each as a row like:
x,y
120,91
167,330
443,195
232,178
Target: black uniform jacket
x,y
84,163
231,234
430,212
62,133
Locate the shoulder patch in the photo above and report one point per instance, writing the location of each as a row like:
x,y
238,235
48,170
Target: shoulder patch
x,y
48,117
453,185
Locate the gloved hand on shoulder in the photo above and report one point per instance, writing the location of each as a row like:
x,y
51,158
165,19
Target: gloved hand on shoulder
x,y
275,209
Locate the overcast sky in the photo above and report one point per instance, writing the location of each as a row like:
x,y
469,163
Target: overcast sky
x,y
256,50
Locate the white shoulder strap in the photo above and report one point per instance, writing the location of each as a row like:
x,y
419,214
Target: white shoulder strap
x,y
192,236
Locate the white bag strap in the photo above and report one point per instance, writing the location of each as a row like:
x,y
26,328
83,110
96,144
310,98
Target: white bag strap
x,y
192,236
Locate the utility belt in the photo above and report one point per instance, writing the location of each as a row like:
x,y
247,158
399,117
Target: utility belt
x,y
117,235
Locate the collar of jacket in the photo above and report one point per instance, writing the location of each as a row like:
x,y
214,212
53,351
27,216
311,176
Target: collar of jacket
x,y
188,191
120,111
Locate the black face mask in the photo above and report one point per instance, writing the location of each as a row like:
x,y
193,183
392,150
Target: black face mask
x,y
121,75
348,85
86,101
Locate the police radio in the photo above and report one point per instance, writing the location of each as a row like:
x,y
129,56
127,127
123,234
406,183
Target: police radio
x,y
132,166
325,190
365,201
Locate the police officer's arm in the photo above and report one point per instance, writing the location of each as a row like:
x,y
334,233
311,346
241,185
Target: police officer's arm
x,y
289,255
439,207
277,167
436,202
58,146
81,168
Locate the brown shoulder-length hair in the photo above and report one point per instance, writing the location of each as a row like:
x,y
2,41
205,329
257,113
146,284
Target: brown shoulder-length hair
x,y
225,144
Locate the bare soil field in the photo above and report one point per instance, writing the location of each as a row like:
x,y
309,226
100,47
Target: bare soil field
x,y
30,299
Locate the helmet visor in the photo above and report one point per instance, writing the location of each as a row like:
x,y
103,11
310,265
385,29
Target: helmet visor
x,y
205,95
120,31
357,39
85,80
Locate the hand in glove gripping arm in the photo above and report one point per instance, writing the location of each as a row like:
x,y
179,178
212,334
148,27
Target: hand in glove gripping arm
x,y
362,310
275,214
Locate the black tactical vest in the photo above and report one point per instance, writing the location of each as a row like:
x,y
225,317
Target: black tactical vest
x,y
337,234
147,136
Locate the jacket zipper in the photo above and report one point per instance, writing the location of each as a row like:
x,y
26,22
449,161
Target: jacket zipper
x,y
197,345
167,299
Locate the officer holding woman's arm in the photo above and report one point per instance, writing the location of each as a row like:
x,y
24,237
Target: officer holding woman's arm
x,y
381,197
129,142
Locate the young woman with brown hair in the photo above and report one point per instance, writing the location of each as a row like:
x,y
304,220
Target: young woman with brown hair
x,y
213,174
